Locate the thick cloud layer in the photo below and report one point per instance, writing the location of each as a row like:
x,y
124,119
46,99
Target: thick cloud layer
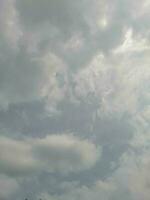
x,y
78,67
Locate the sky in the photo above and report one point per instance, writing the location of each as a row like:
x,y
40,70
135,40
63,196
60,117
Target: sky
x,y
74,99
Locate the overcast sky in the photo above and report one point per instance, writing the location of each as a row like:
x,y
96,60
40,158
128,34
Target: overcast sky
x,y
74,99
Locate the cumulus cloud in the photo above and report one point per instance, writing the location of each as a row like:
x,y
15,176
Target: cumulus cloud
x,y
62,153
115,84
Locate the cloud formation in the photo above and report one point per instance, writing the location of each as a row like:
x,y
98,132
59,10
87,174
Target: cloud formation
x,y
54,153
78,67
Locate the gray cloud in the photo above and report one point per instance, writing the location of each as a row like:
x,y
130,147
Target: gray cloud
x,y
8,187
25,77
82,67
130,181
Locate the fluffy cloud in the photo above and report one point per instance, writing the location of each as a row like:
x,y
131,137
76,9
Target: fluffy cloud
x,y
62,153
116,83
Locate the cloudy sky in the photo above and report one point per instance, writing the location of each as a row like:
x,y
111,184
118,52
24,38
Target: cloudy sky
x,y
74,99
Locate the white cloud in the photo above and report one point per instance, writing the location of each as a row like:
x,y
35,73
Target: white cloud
x,y
9,24
26,73
116,83
15,157
62,153
131,44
